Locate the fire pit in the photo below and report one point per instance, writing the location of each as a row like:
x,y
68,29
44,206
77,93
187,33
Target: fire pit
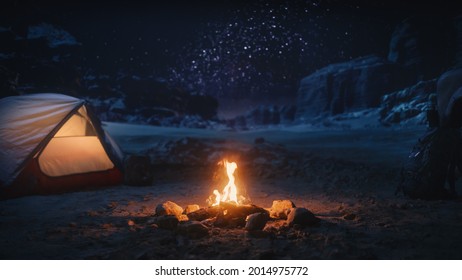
x,y
229,208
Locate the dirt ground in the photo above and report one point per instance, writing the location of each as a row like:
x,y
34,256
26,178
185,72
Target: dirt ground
x,y
346,178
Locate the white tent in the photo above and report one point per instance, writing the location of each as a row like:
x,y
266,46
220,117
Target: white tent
x,y
58,134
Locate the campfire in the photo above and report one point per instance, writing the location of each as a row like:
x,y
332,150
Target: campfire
x,y
230,208
230,192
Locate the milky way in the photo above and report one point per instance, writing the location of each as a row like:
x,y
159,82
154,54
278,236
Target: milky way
x,y
221,48
258,49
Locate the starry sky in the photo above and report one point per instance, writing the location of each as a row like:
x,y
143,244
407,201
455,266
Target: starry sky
x,y
237,49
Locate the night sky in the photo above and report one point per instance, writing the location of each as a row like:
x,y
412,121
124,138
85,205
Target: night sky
x,y
235,49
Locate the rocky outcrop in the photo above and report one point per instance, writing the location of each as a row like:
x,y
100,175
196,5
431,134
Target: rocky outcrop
x,y
264,116
449,85
43,58
425,45
349,86
148,100
421,49
409,105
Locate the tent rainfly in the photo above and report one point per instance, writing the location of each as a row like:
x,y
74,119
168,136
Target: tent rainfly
x,y
52,143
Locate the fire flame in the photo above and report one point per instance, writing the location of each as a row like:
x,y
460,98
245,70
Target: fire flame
x,y
229,193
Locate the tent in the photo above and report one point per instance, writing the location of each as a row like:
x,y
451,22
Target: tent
x,y
52,143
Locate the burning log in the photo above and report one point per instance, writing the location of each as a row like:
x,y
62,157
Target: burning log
x,y
227,210
231,215
227,214
233,210
203,213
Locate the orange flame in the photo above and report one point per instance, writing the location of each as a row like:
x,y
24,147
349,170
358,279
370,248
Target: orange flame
x,y
229,193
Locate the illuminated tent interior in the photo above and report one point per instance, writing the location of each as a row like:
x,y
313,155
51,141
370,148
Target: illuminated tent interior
x,y
52,143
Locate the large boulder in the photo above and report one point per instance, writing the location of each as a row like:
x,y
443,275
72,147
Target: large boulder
x,y
449,88
349,86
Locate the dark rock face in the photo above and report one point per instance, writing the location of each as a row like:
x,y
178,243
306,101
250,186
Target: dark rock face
x,y
265,115
458,27
46,58
421,49
150,101
448,84
425,45
348,86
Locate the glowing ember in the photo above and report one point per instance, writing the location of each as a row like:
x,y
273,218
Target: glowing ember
x,y
229,193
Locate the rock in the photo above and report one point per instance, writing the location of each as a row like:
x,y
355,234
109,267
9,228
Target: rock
x,y
265,115
409,105
191,208
183,218
448,85
55,36
167,222
256,221
169,208
424,44
193,229
349,86
137,170
281,208
302,217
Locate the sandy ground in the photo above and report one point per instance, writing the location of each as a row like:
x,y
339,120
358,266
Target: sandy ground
x,y
345,177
